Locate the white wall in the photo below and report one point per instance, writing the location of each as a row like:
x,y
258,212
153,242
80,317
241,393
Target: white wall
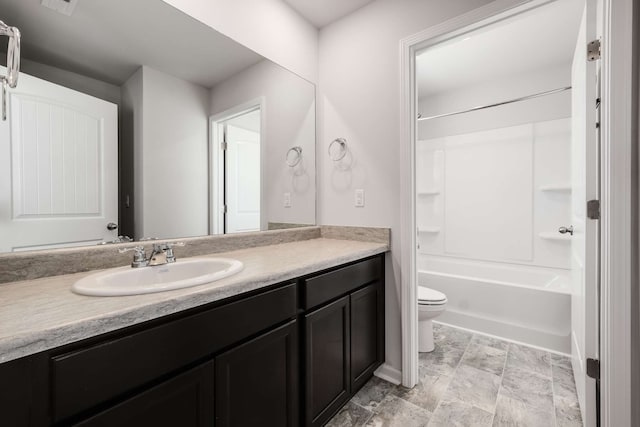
x,y
174,173
131,154
268,27
289,121
359,99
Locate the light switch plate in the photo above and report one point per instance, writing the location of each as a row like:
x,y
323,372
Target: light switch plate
x,y
359,198
287,200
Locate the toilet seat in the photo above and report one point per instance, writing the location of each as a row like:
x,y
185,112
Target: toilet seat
x,y
428,296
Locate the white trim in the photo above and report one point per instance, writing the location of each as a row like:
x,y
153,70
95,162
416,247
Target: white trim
x,y
389,373
215,183
470,21
617,167
408,290
216,166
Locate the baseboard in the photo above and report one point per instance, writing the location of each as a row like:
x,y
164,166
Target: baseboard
x,y
389,373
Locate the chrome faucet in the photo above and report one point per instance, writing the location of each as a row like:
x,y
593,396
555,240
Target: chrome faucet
x,y
161,253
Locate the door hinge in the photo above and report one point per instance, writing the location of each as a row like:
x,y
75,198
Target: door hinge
x,y
593,209
223,146
593,368
224,209
593,50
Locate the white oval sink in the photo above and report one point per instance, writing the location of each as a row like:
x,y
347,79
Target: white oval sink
x,y
145,280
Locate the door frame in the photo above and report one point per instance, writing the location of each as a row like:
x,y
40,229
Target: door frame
x,y
618,186
619,199
217,167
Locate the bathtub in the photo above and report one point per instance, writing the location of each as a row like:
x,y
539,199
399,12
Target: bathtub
x,y
531,305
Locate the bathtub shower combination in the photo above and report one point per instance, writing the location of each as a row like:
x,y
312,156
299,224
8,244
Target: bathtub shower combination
x,y
489,205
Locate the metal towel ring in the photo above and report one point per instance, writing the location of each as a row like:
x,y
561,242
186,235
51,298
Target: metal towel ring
x,y
13,63
293,161
343,149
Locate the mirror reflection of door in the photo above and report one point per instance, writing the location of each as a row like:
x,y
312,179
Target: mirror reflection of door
x,y
58,168
241,175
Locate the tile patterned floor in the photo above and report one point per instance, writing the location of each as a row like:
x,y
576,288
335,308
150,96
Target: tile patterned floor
x,y
472,380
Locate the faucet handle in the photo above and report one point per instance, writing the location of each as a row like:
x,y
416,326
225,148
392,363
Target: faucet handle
x,y
139,256
167,248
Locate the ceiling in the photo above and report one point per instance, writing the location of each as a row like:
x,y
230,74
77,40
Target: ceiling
x,y
110,40
323,12
539,39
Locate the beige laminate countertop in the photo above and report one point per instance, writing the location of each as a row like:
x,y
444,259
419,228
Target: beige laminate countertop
x,y
41,314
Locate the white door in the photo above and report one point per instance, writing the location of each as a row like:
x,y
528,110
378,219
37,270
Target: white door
x,y
584,243
242,173
58,167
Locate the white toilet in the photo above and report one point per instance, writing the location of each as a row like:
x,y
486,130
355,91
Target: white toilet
x,y
431,303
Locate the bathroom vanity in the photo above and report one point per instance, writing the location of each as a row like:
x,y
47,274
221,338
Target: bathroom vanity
x,y
280,344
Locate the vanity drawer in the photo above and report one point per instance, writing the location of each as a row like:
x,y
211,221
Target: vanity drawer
x,y
327,286
86,377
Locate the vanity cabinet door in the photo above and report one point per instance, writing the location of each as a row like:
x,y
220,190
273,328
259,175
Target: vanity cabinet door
x,y
186,400
367,333
257,382
327,353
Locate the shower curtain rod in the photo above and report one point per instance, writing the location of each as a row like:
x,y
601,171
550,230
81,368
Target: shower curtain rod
x,y
497,104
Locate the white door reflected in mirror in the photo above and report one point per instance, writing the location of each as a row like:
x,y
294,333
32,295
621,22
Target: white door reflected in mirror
x,y
242,173
59,166
237,159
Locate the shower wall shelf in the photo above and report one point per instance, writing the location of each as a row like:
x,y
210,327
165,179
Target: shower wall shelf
x,y
554,235
428,193
556,187
428,229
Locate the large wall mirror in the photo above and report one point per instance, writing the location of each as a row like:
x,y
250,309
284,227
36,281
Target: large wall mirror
x,y
133,119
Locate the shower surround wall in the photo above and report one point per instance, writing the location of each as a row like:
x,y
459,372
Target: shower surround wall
x,y
492,189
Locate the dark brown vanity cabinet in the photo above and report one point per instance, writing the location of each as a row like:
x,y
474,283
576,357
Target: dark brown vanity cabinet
x,y
257,382
283,356
367,333
185,400
344,337
327,361
253,384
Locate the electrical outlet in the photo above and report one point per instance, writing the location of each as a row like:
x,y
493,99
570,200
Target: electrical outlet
x,y
359,198
287,200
